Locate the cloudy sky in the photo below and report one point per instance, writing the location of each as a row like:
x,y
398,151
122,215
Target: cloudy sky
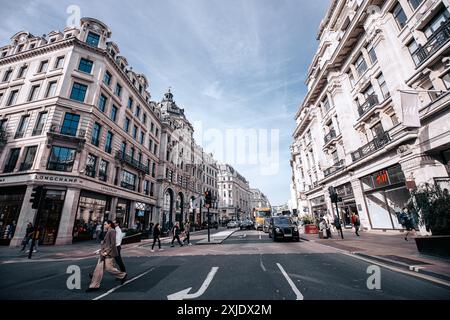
x,y
232,64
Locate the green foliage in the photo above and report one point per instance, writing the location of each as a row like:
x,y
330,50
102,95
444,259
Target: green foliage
x,y
308,219
432,206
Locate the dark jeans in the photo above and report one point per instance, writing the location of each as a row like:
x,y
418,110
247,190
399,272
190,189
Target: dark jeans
x,y
357,230
154,242
340,231
119,260
177,237
188,238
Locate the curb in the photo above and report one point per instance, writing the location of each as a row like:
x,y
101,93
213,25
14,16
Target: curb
x,y
215,243
414,268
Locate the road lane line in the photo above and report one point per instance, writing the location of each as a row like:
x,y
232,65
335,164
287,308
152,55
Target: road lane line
x,y
120,286
260,235
262,264
291,283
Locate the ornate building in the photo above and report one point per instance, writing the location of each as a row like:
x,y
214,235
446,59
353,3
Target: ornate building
x,y
375,59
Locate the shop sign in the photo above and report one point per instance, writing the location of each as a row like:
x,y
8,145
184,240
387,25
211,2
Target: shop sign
x,y
52,178
381,178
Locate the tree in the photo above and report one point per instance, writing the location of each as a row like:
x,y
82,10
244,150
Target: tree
x,y
431,206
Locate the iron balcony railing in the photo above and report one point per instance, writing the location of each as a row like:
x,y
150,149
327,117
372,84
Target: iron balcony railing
x,y
439,38
338,166
68,131
371,101
330,136
26,166
376,144
132,162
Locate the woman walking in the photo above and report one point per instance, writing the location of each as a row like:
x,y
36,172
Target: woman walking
x,y
156,237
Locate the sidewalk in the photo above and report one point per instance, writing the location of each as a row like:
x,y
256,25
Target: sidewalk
x,y
389,248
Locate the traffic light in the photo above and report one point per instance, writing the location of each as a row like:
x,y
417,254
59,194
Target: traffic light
x,y
36,197
333,195
208,198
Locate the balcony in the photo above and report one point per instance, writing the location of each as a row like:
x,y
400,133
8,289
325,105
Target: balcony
x,y
338,166
370,148
371,101
434,43
330,136
68,132
124,158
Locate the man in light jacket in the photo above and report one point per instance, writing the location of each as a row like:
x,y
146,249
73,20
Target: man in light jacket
x,y
119,237
108,252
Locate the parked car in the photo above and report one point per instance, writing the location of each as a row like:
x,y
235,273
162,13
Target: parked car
x,y
266,225
283,228
232,224
247,225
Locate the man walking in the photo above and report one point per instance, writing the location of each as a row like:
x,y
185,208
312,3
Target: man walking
x,y
119,237
356,223
176,234
338,226
187,232
108,252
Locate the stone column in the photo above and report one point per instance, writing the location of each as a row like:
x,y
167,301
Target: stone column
x,y
26,215
113,210
68,215
132,219
361,204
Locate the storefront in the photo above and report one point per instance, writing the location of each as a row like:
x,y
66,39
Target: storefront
x,y
143,216
385,194
348,204
319,207
93,209
11,200
50,215
123,210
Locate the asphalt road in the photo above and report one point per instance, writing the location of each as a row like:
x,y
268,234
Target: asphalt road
x,y
248,266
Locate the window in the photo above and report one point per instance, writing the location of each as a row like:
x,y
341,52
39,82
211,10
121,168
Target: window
x,y
1,97
439,20
85,65
32,46
399,16
96,131
130,103
30,154
34,92
107,78
23,124
152,127
372,55
361,65
383,87
103,170
108,142
413,47
153,169
78,92
43,66
138,111
146,187
394,120
4,53
126,125
142,138
93,39
155,148
156,132
40,123
20,48
12,98
102,103
12,160
59,62
377,130
326,105
446,79
22,71
114,113
128,180
118,90
124,147
70,124
150,144
144,118
7,75
91,164
51,90
335,157
135,130
61,159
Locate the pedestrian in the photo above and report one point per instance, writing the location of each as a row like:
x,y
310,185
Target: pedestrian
x,y
28,234
11,230
187,232
327,227
356,223
323,228
176,234
108,252
156,237
407,222
338,226
119,237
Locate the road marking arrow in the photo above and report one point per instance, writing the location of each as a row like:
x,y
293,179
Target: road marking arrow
x,y
184,294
